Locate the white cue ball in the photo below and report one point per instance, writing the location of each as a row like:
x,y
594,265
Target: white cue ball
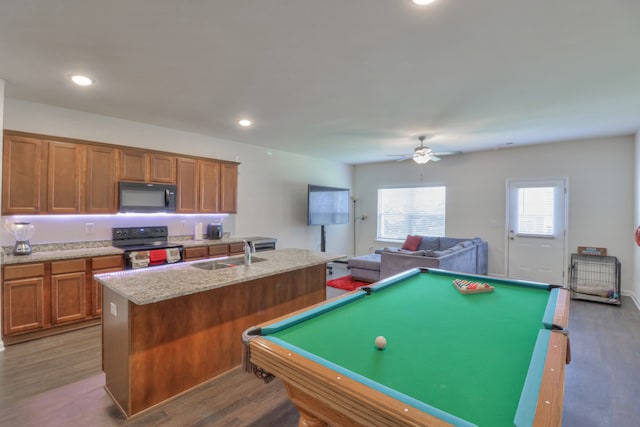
x,y
381,342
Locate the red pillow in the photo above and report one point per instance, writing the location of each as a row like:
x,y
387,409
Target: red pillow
x,y
412,243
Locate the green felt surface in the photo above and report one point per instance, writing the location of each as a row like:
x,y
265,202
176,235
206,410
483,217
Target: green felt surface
x,y
464,354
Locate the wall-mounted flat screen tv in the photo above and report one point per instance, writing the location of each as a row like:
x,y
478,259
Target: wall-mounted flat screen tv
x,y
327,205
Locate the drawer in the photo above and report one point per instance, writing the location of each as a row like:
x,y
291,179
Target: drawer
x,y
69,266
23,271
111,261
195,253
219,250
236,248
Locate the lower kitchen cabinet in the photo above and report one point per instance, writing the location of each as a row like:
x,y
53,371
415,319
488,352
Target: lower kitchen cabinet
x,y
236,248
99,265
213,251
198,252
68,293
47,298
23,298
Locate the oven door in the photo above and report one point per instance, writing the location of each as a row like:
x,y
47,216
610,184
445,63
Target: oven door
x,y
142,197
153,257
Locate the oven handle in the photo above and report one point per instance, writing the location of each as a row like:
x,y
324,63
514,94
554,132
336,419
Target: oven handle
x,y
166,198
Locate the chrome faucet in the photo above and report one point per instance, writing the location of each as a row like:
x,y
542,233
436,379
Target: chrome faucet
x,y
247,253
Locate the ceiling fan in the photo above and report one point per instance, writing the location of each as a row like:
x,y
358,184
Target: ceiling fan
x,y
422,154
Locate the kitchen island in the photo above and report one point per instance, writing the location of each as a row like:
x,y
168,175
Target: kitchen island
x,y
166,330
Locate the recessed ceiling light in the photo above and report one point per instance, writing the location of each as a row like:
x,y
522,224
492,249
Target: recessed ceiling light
x,y
245,123
81,80
421,2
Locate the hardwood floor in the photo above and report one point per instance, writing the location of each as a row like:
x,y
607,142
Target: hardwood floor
x,y
57,381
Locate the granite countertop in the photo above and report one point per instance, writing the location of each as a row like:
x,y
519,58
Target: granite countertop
x,y
149,285
67,251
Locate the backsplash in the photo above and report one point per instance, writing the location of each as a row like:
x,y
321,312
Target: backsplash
x,y
95,229
45,247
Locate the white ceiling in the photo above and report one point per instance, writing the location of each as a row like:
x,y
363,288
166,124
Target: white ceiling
x,y
348,80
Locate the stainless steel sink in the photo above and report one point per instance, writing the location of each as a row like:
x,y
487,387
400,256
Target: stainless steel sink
x,y
224,263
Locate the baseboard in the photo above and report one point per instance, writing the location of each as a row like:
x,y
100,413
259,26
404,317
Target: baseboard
x,y
633,298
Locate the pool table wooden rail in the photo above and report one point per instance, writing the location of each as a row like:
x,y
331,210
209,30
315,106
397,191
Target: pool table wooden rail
x,y
551,395
325,397
561,317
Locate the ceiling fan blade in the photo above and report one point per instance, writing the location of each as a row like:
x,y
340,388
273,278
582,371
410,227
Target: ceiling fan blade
x,y
434,158
447,153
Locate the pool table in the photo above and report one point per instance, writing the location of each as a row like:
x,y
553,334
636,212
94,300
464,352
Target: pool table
x,y
487,359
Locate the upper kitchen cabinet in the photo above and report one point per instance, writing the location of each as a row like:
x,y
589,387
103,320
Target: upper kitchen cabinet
x,y
64,178
133,165
23,175
187,185
162,168
101,180
54,175
209,195
143,166
207,186
228,187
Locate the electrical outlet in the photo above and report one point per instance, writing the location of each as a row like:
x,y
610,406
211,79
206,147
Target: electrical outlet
x,y
114,309
89,227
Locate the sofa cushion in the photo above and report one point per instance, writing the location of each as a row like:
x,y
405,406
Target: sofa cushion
x,y
438,254
402,251
447,242
412,242
429,243
365,262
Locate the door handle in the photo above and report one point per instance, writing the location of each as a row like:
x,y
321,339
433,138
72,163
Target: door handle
x,y
512,238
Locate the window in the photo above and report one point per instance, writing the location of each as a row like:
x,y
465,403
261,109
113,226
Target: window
x,y
535,211
415,210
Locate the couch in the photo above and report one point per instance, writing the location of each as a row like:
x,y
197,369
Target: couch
x,y
447,253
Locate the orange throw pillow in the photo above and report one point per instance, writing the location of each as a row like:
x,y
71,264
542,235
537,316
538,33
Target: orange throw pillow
x,y
412,243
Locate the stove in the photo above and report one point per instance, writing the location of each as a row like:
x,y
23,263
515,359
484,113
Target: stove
x,y
260,243
146,246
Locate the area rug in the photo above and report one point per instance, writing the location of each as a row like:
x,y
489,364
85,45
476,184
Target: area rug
x,y
346,283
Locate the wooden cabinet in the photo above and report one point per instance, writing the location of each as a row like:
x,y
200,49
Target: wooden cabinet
x,y
54,175
162,168
133,165
209,195
24,296
139,165
199,252
103,264
228,187
64,177
187,185
23,175
101,180
68,290
236,248
207,186
44,298
218,251
213,251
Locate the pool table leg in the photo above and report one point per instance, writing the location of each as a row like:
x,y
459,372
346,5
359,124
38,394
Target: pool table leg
x,y
308,420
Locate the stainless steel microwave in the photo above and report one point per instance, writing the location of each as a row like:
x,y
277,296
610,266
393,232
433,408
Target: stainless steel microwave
x,y
147,198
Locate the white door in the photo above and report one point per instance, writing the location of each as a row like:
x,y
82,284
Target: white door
x,y
536,230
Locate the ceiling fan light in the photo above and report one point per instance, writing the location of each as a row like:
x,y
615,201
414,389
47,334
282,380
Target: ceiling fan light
x,y
420,159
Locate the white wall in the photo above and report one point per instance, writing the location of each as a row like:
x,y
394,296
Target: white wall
x,y
1,127
272,185
636,249
601,198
